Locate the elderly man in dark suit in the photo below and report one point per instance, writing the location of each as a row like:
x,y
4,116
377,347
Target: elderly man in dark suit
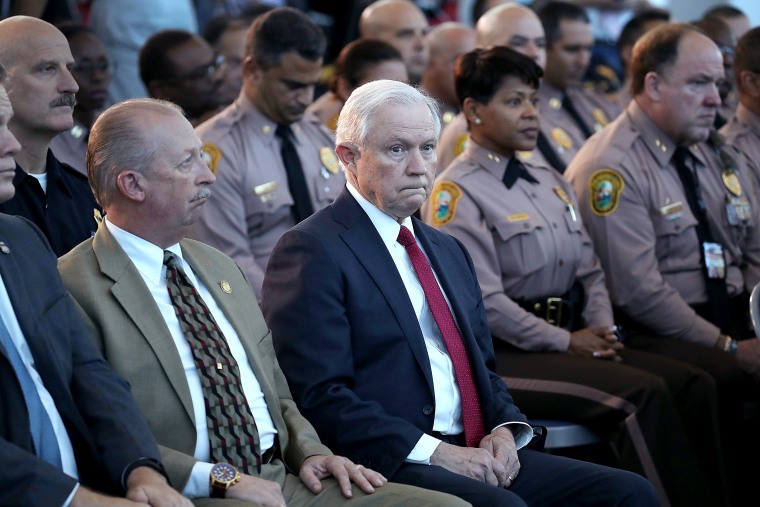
x,y
380,328
68,425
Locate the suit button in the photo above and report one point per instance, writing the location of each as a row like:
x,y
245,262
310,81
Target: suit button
x,y
427,409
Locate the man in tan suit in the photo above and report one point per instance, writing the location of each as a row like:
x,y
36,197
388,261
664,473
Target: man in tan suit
x,y
152,196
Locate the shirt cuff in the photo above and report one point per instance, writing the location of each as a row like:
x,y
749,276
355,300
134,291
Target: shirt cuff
x,y
425,448
71,496
143,462
199,483
522,433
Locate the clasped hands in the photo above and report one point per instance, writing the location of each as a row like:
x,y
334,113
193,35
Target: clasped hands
x,y
494,461
599,342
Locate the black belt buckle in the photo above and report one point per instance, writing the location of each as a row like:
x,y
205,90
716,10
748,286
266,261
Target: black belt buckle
x,y
554,311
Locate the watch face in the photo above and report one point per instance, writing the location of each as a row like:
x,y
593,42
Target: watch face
x,y
223,472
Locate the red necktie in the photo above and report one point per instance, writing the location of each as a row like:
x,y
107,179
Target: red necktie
x,y
472,417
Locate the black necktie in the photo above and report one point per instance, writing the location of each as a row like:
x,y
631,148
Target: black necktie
x,y
716,287
568,106
547,150
296,181
516,169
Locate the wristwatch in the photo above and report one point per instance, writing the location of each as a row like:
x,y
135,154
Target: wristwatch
x,y
223,476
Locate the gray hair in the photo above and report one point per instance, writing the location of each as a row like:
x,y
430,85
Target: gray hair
x,y
356,117
117,142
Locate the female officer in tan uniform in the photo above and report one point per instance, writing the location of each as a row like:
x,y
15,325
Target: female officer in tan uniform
x,y
547,305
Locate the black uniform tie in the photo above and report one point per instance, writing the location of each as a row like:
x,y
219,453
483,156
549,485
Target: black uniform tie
x,y
716,287
296,180
568,106
515,170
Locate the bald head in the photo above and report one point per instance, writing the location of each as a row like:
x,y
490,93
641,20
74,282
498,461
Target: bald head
x,y
447,41
514,26
40,85
401,24
20,35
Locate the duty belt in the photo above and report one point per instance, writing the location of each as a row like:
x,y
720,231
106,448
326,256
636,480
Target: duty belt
x,y
562,311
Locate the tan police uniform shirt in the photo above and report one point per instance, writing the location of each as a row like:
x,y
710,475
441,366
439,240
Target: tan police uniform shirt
x,y
250,205
561,130
453,141
70,147
327,108
526,242
743,132
636,212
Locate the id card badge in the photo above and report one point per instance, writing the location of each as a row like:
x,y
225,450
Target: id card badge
x,y
715,261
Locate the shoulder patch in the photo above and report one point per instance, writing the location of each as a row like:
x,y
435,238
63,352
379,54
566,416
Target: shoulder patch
x,y
211,154
445,196
461,144
605,187
329,159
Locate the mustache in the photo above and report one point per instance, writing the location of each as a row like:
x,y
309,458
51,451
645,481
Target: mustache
x,y
67,99
203,193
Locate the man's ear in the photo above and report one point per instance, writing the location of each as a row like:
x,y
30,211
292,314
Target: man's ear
x,y
131,185
251,71
749,83
343,89
652,85
348,154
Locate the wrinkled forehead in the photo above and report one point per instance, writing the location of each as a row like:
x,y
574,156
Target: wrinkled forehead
x,y
528,27
42,43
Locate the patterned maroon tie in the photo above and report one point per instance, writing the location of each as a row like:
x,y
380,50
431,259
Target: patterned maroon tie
x,y
231,428
472,417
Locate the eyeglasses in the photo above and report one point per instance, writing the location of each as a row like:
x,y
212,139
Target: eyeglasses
x,y
89,67
202,72
726,51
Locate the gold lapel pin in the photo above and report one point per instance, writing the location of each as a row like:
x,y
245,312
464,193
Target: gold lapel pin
x,y
226,287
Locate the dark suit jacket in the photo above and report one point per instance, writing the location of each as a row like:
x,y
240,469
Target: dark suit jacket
x,y
128,327
350,344
65,212
106,429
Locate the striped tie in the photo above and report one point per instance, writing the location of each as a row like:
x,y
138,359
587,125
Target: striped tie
x,y
231,427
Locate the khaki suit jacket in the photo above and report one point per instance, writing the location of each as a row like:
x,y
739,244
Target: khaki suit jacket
x,y
133,336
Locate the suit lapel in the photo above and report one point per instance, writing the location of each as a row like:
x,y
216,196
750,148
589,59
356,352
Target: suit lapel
x,y
130,292
363,239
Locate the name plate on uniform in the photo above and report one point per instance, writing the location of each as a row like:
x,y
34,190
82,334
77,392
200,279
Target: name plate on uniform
x,y
672,211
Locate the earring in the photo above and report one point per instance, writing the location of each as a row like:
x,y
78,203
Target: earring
x,y
477,121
